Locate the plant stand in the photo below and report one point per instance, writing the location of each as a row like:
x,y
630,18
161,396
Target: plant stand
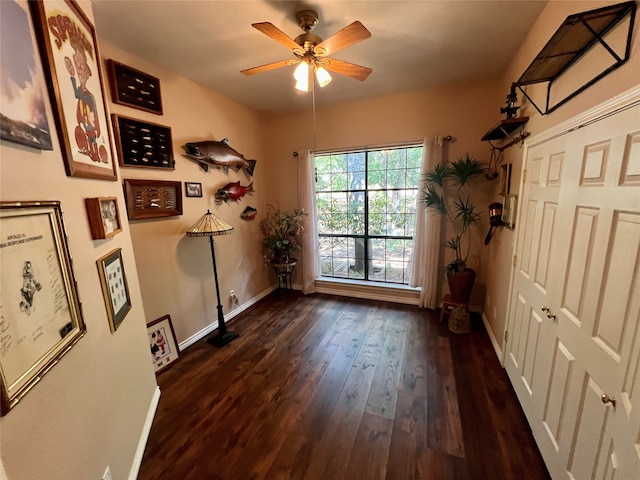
x,y
284,272
448,305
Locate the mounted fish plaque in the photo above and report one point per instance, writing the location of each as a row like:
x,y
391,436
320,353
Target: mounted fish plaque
x,y
218,154
233,191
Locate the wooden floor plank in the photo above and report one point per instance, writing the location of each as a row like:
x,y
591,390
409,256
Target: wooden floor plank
x,y
322,387
368,458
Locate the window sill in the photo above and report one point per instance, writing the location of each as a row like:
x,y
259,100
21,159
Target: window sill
x,y
369,290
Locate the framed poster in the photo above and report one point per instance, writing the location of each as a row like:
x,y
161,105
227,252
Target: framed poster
x,y
162,342
69,50
114,287
40,316
23,115
104,218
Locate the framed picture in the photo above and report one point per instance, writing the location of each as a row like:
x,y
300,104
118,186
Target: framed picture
x,y
505,179
115,289
104,219
23,77
134,88
69,51
193,189
40,316
162,342
152,198
143,144
509,211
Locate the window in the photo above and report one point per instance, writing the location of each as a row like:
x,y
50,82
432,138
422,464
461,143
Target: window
x,y
366,204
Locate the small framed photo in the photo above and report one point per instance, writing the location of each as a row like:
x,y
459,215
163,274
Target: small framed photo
x,y
505,179
193,189
104,219
162,342
114,287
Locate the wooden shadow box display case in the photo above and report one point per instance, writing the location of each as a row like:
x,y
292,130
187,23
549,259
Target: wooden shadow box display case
x,y
152,198
104,218
143,144
134,88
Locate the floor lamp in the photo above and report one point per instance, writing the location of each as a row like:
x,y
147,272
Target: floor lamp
x,y
209,226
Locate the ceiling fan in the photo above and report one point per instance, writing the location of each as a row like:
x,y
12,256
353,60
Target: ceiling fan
x,y
312,52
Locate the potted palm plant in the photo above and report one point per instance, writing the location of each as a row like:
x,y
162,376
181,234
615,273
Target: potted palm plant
x,y
447,191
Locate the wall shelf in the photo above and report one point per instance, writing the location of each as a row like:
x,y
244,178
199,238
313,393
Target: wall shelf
x,y
504,128
578,34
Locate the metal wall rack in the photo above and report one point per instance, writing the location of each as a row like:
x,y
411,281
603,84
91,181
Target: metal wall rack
x,y
573,39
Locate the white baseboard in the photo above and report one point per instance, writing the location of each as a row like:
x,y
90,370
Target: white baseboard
x,y
144,436
232,314
492,337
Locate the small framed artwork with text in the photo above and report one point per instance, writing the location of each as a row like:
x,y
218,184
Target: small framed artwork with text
x,y
162,342
114,287
193,189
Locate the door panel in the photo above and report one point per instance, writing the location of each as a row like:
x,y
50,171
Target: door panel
x,y
578,254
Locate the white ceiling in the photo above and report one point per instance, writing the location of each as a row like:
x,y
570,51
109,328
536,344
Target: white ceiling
x,y
413,44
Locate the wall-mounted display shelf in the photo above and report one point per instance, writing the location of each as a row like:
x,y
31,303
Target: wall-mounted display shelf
x,y
152,198
143,144
134,88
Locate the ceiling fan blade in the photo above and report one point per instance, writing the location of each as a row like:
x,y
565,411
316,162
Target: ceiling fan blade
x,y
269,66
354,33
345,68
278,35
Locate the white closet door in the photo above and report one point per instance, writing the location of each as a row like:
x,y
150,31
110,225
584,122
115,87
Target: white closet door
x,y
578,254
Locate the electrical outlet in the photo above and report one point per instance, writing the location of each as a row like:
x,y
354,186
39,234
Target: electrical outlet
x,y
232,294
107,474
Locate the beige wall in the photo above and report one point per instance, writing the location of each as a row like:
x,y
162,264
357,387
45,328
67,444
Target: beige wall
x,y
466,112
176,272
89,410
501,249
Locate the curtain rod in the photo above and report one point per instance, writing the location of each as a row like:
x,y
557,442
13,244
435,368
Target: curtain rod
x,y
447,138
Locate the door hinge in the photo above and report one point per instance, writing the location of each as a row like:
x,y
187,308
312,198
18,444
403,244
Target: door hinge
x,y
506,335
515,261
524,176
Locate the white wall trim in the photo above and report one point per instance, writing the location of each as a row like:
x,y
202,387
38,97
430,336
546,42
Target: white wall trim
x,y
622,101
234,313
492,337
144,436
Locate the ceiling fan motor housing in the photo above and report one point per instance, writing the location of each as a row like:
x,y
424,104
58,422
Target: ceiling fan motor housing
x,y
307,19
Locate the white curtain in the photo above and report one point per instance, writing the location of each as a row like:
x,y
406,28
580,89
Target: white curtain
x,y
425,264
307,200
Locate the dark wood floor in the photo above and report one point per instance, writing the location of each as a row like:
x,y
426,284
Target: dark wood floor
x,y
323,387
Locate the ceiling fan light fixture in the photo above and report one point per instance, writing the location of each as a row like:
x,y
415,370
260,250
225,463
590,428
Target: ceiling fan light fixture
x,y
301,75
323,76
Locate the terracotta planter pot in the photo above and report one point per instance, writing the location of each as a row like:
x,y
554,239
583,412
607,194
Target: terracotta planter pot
x,y
461,284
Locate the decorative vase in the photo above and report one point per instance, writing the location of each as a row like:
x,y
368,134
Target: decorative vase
x,y
461,284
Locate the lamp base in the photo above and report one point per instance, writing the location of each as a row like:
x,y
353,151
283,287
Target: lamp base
x,y
222,340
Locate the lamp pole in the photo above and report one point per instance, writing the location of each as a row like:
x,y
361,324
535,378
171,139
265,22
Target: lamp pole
x,y
223,336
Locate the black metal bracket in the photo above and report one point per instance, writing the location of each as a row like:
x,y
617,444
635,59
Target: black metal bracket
x,y
573,39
